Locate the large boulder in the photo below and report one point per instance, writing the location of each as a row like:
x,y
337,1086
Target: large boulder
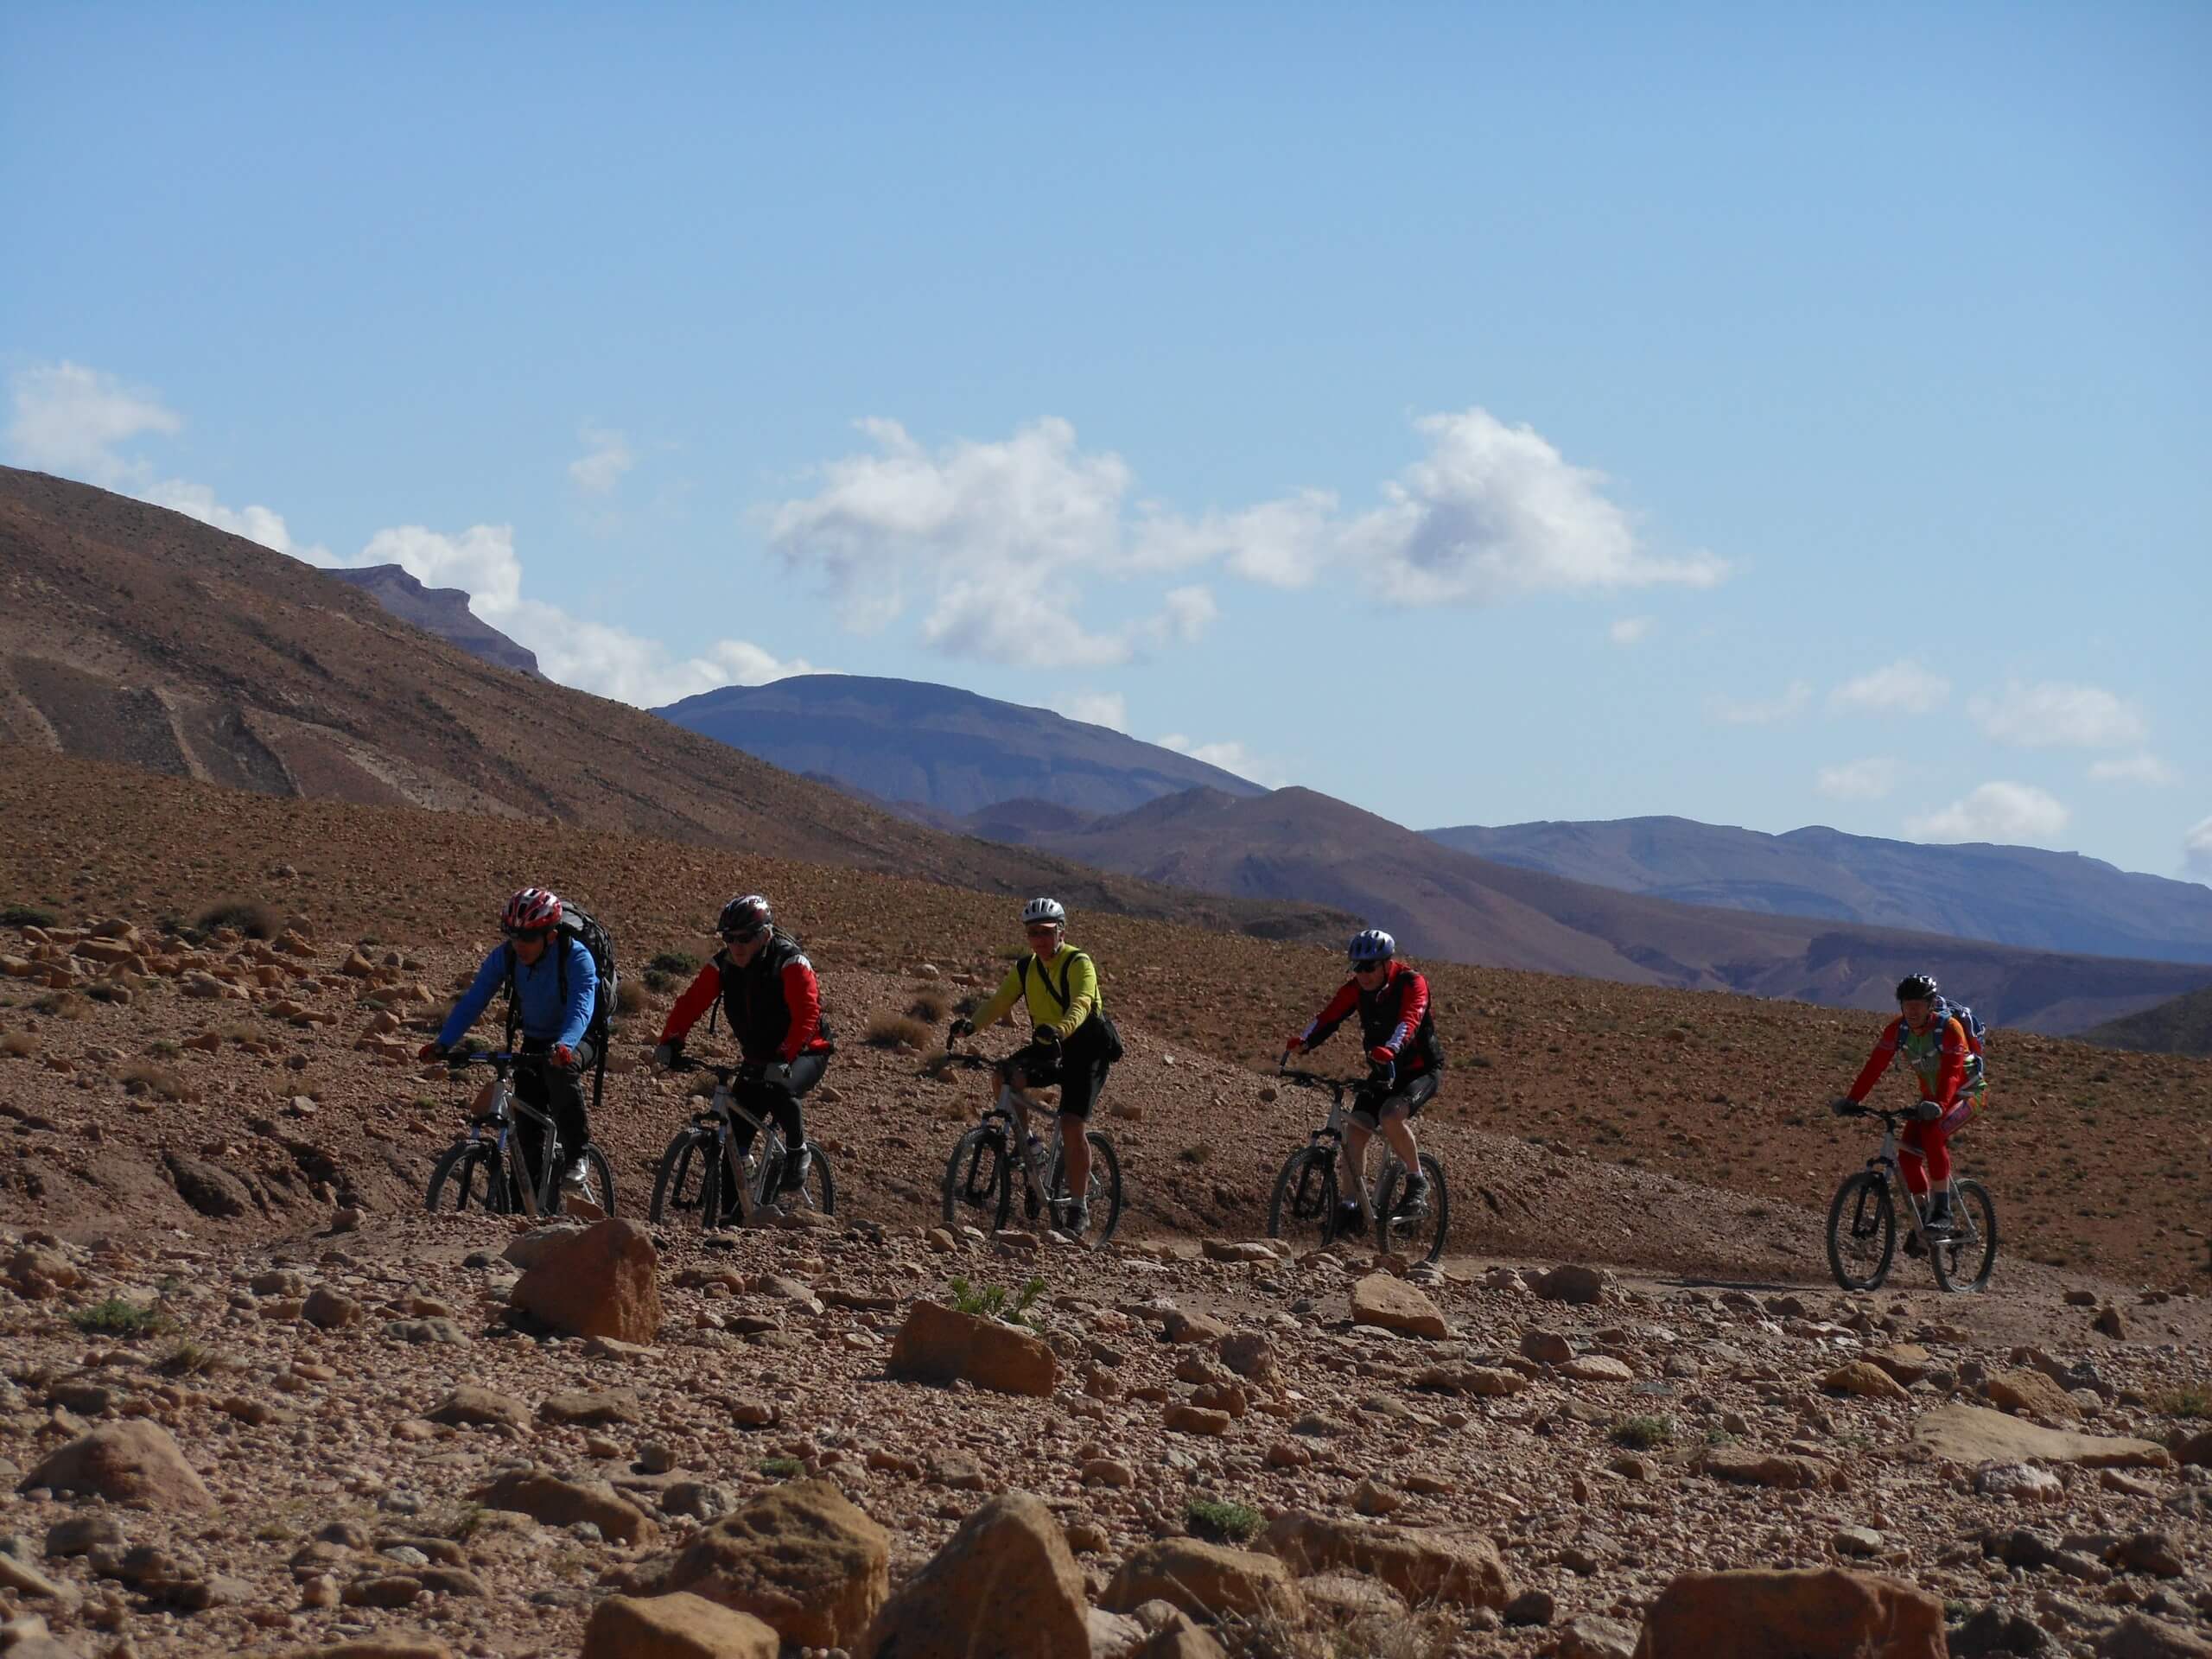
x,y
1005,1587
2138,1637
1808,1615
134,1462
1976,1434
1390,1304
2033,1394
559,1502
800,1557
601,1281
1463,1568
680,1626
937,1344
1207,1581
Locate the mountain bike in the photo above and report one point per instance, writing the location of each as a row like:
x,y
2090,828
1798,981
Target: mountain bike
x,y
487,1168
979,1176
703,1172
1306,1192
1863,1221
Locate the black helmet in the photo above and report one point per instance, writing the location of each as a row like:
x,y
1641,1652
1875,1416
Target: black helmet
x,y
744,916
1916,988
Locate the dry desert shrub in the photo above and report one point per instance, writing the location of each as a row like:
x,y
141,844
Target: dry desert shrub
x,y
63,1005
144,1078
19,1045
890,1030
930,1007
248,916
629,997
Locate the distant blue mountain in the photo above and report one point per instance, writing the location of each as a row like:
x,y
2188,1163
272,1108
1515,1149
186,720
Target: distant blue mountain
x,y
2009,895
947,750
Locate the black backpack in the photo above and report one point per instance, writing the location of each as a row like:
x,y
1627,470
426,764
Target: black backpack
x,y
1107,1029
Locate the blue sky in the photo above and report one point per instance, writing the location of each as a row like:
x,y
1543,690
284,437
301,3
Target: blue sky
x,y
1481,415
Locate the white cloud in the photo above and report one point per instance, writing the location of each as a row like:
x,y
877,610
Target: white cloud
x,y
2197,850
1108,708
1859,780
1229,757
1283,544
1998,813
2054,715
601,467
69,419
1629,630
2144,768
1186,614
1903,688
1736,711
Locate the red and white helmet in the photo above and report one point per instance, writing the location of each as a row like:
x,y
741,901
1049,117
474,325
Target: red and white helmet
x,y
533,909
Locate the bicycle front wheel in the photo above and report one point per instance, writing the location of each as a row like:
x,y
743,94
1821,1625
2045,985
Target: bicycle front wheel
x,y
1862,1231
1305,1198
1963,1260
467,1178
978,1180
679,1186
602,1178
1102,1194
819,1189
1419,1237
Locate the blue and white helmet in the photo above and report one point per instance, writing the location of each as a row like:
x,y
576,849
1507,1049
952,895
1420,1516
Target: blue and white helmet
x,y
1372,944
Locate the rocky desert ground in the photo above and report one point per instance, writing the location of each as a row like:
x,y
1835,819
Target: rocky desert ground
x,y
258,1403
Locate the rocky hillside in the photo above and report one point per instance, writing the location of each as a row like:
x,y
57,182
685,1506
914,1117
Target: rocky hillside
x,y
1440,902
940,748
2181,1027
441,611
2010,895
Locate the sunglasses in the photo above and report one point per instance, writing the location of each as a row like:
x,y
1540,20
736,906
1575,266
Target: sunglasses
x,y
1043,930
1366,967
528,935
743,936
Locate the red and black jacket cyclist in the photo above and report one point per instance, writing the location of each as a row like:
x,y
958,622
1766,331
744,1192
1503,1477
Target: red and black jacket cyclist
x,y
1398,1031
1936,1045
773,1004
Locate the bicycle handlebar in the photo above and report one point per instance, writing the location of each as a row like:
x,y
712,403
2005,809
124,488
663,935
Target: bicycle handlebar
x,y
502,1057
724,1074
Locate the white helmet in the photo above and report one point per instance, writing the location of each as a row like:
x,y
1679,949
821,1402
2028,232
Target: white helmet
x,y
1044,910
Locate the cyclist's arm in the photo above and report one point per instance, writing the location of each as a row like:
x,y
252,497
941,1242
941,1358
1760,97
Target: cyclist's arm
x,y
1325,1022
1001,1002
1413,1009
489,977
1886,1049
1083,994
802,997
584,994
698,996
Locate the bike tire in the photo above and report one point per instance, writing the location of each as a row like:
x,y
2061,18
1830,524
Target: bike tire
x,y
679,1186
467,1177
820,1189
978,1178
1305,1196
1399,1238
603,1177
1862,1204
1102,1192
1964,1261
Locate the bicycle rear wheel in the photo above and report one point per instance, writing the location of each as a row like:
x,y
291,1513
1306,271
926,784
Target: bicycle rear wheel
x,y
1419,1237
467,1177
1862,1231
1102,1193
979,1180
602,1178
1963,1260
1305,1198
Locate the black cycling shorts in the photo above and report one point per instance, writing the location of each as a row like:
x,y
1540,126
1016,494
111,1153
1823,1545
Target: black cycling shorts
x,y
1079,1074
1412,1093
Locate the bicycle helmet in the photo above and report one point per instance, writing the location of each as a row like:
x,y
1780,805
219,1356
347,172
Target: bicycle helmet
x,y
534,910
745,916
1040,911
1371,945
1918,987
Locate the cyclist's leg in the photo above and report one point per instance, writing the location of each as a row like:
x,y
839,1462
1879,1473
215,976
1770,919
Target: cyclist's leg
x,y
1912,1162
1359,1129
530,1088
1403,1104
564,1087
1081,1078
806,1072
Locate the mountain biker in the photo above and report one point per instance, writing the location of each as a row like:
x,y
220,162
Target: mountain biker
x,y
1059,985
773,1001
556,988
1953,1088
1398,1031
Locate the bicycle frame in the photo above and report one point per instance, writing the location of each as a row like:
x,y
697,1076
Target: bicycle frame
x,y
497,1125
1885,1160
1035,1163
722,1112
1332,1133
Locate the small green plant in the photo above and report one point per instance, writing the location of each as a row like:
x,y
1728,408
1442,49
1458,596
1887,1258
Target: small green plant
x,y
781,1468
250,916
892,1030
673,964
2191,1399
995,1301
1221,1520
1716,1435
657,982
1641,1434
466,1523
25,916
930,1007
117,1317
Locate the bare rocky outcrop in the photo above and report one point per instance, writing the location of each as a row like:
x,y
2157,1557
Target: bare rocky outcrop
x,y
135,1463
1391,1304
1461,1568
1808,1615
801,1557
678,1626
1207,1581
937,1345
1004,1588
601,1281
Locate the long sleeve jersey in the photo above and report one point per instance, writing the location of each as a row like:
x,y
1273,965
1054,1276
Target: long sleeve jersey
x,y
773,1003
1397,1016
1942,1059
556,1000
1041,987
